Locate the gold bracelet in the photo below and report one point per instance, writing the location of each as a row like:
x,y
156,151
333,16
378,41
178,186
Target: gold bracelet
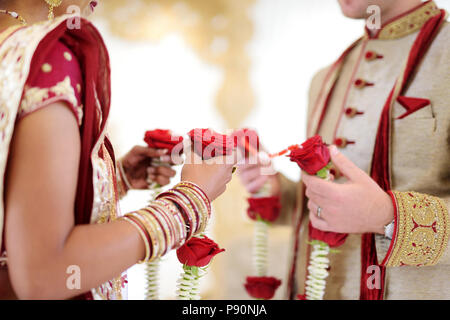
x,y
179,227
186,201
139,229
158,231
152,232
163,222
203,213
123,175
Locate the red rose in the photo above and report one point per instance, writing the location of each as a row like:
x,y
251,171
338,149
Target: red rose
x,y
267,208
247,140
262,287
209,144
312,156
162,139
333,239
198,252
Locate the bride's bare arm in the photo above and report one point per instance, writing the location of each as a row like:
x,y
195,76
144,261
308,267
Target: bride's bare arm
x,y
41,239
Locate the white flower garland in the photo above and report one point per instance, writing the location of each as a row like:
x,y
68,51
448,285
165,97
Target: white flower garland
x,y
318,261
261,237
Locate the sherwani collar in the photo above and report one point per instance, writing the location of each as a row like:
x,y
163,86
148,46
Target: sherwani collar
x,y
405,23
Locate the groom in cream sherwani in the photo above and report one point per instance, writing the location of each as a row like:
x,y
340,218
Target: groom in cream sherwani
x,y
385,108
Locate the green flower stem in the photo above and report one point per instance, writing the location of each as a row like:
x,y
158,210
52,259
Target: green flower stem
x,y
188,284
152,278
318,261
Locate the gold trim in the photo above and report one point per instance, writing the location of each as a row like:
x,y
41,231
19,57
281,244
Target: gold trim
x,y
34,97
422,230
409,23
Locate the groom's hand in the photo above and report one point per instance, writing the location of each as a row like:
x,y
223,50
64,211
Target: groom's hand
x,y
357,206
256,171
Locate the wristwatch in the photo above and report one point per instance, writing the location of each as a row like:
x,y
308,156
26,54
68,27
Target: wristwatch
x,y
389,230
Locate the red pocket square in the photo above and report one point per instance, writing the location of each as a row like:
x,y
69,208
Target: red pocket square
x,y
411,104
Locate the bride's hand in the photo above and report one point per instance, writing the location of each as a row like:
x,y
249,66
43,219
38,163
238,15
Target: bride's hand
x,y
211,176
137,166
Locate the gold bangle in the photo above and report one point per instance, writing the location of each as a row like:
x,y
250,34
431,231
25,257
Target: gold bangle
x,y
152,232
123,175
165,225
147,245
157,230
203,213
176,219
170,221
183,208
183,200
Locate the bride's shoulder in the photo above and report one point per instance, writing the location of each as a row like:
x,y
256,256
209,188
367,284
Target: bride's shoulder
x,y
56,76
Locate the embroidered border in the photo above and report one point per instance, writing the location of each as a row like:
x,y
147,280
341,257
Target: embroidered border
x,y
422,230
34,98
409,23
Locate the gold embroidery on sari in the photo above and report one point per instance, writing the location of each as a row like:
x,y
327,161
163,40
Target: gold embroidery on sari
x,y
422,230
34,97
106,210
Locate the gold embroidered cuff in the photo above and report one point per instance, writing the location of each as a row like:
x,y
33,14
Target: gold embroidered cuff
x,y
421,230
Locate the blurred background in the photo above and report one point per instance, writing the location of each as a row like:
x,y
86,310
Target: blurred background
x,y
222,64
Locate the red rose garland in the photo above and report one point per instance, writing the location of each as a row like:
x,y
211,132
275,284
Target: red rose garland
x,y
209,144
262,287
313,157
198,252
195,255
263,209
162,139
266,208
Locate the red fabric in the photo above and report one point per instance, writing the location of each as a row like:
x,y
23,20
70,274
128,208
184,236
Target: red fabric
x,y
262,287
90,51
198,252
411,105
61,68
266,208
380,170
162,139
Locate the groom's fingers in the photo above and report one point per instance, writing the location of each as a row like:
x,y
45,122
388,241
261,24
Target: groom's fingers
x,y
250,174
320,186
256,184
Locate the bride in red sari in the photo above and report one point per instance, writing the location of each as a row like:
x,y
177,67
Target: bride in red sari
x,y
60,191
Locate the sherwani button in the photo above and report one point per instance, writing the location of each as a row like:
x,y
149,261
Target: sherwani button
x,y
350,112
360,83
341,142
372,55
